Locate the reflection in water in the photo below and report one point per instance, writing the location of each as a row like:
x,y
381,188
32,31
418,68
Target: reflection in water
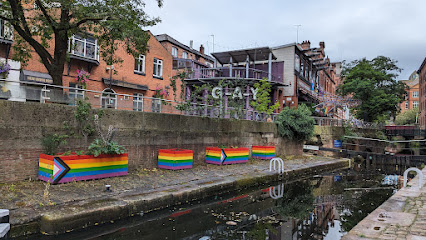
x,y
322,207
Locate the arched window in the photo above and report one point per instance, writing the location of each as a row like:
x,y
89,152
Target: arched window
x,y
109,98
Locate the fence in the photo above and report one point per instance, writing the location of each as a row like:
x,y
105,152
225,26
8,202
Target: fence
x,y
46,93
325,121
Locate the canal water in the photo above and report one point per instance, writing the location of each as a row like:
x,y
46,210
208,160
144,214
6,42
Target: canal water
x,y
320,207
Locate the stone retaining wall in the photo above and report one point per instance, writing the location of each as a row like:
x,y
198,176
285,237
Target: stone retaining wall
x,y
23,125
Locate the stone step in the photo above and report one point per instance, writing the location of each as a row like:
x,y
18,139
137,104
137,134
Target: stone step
x,y
4,230
4,216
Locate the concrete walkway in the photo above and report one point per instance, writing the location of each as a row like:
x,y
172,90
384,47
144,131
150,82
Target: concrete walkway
x,y
36,206
403,216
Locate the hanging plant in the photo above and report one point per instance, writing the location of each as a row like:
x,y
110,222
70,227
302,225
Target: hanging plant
x,y
82,78
160,93
4,70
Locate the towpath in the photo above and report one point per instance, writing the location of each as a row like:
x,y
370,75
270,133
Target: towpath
x,y
403,216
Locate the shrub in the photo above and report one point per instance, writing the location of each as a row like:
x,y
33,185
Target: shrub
x,y
51,143
295,123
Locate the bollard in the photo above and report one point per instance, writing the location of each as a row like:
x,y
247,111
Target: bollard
x,y
4,224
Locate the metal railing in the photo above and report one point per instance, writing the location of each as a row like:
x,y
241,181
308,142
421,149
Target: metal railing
x,y
326,121
46,93
235,72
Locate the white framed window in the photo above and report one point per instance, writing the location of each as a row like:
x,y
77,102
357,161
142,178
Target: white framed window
x,y
174,52
415,94
140,64
185,55
5,30
138,102
84,47
406,105
415,104
75,92
158,68
109,98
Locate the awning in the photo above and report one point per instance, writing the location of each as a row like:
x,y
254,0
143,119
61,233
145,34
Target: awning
x,y
124,84
238,56
31,76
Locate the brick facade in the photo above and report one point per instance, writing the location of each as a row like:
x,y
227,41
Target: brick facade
x,y
412,98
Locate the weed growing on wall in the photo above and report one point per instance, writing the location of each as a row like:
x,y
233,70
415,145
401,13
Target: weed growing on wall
x,y
52,142
296,123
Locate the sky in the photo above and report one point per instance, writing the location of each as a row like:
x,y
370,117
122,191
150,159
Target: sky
x,y
350,29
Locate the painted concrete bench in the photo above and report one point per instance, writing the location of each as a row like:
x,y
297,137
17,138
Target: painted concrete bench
x,y
224,156
263,152
175,159
62,169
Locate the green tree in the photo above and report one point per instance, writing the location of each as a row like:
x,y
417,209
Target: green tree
x,y
263,99
407,117
374,83
296,123
46,25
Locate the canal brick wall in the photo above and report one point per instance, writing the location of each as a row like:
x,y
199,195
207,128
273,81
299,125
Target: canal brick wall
x,y
23,125
402,216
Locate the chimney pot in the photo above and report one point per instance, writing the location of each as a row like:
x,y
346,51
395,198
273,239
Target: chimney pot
x,y
191,43
202,49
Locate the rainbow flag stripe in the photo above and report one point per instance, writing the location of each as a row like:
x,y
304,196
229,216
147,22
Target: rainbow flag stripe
x,y
84,167
223,156
175,159
263,152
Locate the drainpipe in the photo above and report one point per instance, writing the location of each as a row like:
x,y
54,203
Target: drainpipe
x,y
270,67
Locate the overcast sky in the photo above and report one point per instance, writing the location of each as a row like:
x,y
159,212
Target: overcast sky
x,y
350,29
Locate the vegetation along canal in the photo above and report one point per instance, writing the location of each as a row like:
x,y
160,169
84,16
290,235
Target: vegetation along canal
x,y
320,207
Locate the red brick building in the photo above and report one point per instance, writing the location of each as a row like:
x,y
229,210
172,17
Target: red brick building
x,y
422,86
133,78
185,58
412,97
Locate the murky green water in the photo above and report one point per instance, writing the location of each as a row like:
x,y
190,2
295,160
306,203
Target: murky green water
x,y
321,207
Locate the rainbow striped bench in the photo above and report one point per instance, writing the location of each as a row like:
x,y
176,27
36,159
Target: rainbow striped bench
x,y
263,152
223,156
175,159
62,169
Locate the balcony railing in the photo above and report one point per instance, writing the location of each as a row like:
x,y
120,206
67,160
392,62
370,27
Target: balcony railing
x,y
47,93
84,48
237,72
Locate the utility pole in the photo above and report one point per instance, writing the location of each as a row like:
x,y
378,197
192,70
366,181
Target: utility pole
x,y
215,64
297,32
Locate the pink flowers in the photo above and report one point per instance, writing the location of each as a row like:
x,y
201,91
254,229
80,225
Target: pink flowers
x,y
82,77
160,93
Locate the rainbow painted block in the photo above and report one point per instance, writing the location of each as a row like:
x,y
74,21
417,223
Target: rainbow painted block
x,y
223,156
61,169
175,159
263,152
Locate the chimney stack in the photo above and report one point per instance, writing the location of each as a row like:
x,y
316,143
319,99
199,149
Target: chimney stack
x,y
306,45
202,49
191,43
322,45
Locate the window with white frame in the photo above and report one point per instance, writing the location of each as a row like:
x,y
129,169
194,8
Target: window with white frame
x,y
415,104
84,47
158,68
406,105
184,55
5,30
109,98
140,64
415,94
138,102
75,92
174,52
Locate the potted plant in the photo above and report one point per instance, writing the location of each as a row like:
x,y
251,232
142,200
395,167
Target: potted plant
x,y
4,70
175,158
104,158
160,93
263,152
224,155
82,78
